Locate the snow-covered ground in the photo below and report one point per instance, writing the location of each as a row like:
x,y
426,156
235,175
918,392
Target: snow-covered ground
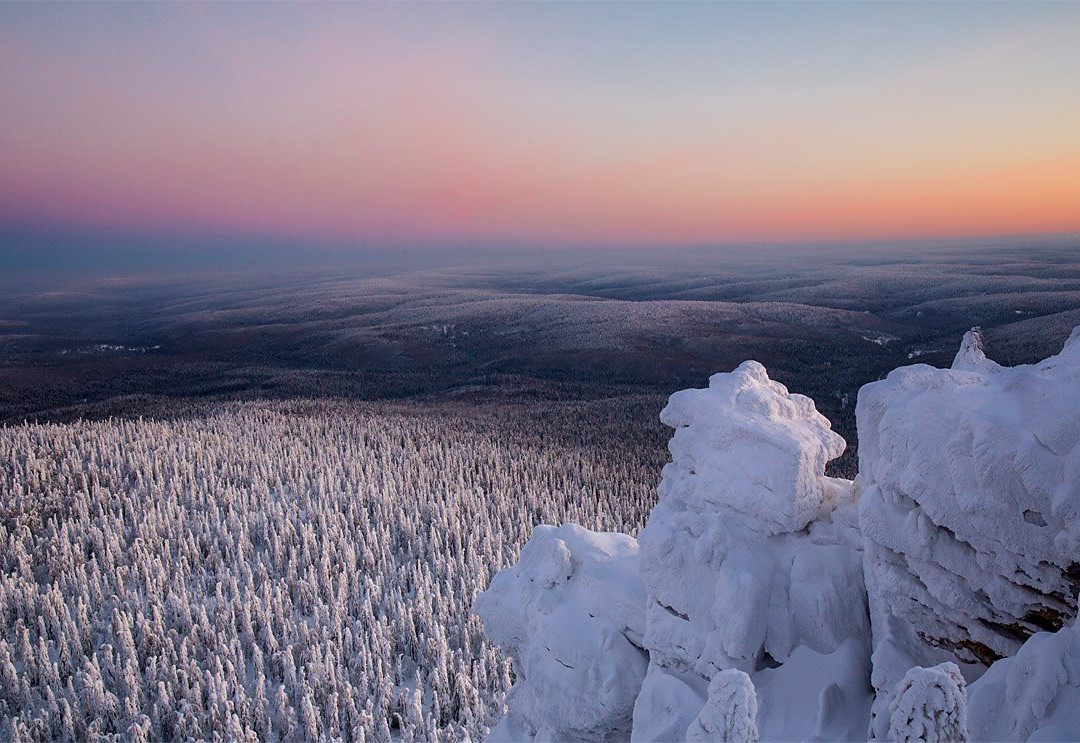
x,y
927,600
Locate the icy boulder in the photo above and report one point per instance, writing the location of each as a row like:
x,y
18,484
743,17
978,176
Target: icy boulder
x,y
970,510
1034,695
750,553
571,616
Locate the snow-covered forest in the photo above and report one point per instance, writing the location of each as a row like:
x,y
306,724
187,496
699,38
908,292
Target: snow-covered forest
x,y
286,571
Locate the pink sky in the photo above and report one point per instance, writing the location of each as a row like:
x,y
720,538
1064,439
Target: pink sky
x,y
575,125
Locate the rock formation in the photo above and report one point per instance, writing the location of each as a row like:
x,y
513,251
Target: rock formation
x,y
761,585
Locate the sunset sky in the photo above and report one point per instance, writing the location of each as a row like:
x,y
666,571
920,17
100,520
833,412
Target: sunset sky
x,y
539,125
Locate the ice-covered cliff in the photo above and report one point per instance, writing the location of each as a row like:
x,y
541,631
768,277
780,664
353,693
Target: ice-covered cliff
x,y
752,600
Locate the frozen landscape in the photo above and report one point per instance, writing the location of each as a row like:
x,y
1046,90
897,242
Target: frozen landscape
x,y
291,571
423,372
824,325
273,512
306,569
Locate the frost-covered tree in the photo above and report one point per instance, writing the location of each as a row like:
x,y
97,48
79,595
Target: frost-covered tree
x,y
730,711
930,705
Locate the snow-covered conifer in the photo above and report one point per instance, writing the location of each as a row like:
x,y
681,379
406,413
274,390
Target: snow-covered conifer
x,y
730,711
218,570
930,705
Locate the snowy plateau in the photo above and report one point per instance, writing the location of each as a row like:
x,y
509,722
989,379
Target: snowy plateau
x,y
932,598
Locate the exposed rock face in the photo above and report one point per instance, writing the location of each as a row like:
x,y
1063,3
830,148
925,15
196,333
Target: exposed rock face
x,y
1034,695
571,615
969,483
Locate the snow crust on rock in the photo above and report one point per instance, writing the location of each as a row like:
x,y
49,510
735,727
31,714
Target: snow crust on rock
x,y
750,553
750,558
1034,695
969,508
570,615
733,567
748,449
735,571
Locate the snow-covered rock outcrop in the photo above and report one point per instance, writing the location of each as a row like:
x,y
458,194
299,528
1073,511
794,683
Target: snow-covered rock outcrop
x,y
751,564
969,484
571,615
751,552
746,449
735,569
751,600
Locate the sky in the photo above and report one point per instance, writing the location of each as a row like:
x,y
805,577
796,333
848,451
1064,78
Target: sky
x,y
165,128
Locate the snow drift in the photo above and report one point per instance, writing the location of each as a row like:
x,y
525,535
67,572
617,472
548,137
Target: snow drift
x,y
760,586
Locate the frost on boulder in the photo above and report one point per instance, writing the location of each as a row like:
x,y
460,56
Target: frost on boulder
x,y
570,615
730,712
930,705
751,552
969,509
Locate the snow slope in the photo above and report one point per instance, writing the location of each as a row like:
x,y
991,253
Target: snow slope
x,y
764,585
